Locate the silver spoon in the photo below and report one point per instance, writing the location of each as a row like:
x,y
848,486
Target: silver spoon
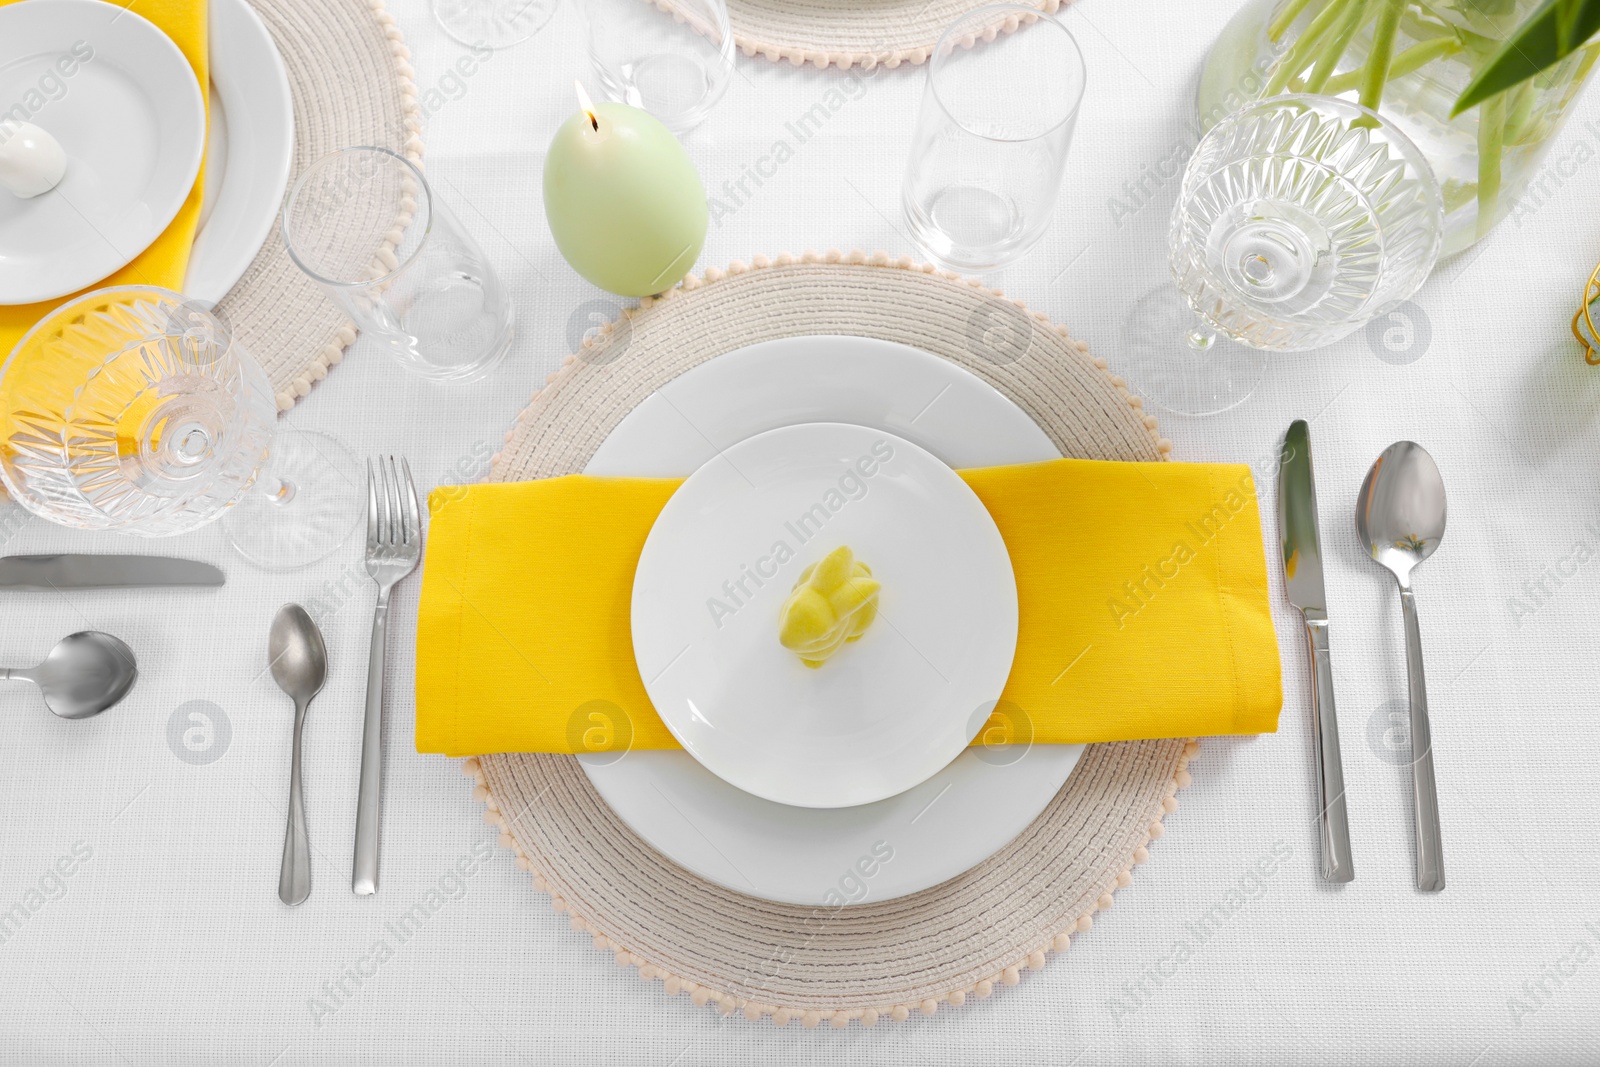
x,y
299,666
85,674
1400,517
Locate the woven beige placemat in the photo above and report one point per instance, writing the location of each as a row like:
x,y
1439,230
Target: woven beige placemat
x,y
351,79
862,961
850,33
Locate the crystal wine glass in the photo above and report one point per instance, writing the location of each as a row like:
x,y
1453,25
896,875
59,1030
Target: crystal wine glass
x,y
1299,219
131,409
492,23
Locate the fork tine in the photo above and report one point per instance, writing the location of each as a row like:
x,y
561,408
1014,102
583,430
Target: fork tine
x,y
372,507
411,495
397,526
385,516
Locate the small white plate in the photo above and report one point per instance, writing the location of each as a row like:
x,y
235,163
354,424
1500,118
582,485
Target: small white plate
x,y
128,112
886,712
249,148
822,856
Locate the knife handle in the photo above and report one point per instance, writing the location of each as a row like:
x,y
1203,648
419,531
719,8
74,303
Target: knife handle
x,y
1332,819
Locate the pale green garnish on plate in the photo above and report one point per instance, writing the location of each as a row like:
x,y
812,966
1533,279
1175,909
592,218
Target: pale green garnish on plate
x,y
832,604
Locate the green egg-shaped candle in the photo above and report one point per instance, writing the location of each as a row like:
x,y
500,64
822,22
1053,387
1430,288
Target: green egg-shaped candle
x,y
624,201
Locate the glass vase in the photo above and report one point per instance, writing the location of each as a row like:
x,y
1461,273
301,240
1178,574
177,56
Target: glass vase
x,y
1483,159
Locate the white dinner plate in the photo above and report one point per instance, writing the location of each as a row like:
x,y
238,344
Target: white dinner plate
x,y
818,856
128,113
250,145
885,712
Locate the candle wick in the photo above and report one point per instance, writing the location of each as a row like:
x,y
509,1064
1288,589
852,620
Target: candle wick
x,y
587,105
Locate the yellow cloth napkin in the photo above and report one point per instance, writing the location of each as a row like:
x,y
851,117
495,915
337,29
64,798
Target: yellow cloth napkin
x,y
167,258
1141,589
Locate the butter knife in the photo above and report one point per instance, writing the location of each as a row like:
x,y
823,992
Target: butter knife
x,y
103,572
1302,571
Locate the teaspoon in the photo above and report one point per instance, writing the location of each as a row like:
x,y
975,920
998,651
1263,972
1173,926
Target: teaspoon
x,y
85,674
1400,517
299,666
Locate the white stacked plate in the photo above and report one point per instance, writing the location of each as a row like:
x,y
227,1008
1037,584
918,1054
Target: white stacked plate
x,y
832,769
250,147
121,99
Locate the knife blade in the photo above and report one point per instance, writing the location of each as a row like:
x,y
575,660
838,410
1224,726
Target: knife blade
x,y
1302,572
103,572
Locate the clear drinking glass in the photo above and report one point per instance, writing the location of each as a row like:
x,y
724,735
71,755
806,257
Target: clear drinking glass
x,y
992,136
1299,219
672,58
130,409
364,224
492,23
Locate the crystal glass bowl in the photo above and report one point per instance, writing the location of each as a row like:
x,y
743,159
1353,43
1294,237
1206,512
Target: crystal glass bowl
x,y
130,409
1300,218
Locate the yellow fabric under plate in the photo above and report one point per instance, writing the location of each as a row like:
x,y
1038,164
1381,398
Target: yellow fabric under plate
x,y
1141,587
166,260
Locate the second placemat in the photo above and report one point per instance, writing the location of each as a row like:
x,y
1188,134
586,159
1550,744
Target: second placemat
x,y
962,938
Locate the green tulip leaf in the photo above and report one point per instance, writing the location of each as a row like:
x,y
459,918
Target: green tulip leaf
x,y
1550,34
1569,15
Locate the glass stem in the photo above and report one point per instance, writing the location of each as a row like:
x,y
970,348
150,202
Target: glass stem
x,y
1200,336
279,491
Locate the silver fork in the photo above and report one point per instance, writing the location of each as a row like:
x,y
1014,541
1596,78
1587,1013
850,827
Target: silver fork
x,y
394,544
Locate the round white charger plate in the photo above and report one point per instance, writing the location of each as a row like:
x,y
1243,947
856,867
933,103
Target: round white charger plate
x,y
132,123
888,710
934,831
250,145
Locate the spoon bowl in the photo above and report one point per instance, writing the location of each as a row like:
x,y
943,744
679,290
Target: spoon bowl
x,y
299,656
1401,511
85,674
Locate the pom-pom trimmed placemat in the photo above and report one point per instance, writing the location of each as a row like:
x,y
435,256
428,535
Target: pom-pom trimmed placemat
x,y
858,962
351,79
850,33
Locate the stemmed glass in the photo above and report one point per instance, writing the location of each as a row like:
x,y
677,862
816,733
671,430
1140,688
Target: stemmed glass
x,y
1299,219
131,409
673,58
991,141
492,23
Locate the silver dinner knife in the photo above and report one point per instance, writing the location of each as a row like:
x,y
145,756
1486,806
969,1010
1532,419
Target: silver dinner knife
x,y
1302,570
103,572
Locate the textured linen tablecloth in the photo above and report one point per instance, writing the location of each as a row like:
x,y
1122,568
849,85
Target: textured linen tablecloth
x,y
146,844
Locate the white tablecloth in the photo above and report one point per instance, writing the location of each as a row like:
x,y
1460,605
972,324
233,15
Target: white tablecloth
x,y
166,944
